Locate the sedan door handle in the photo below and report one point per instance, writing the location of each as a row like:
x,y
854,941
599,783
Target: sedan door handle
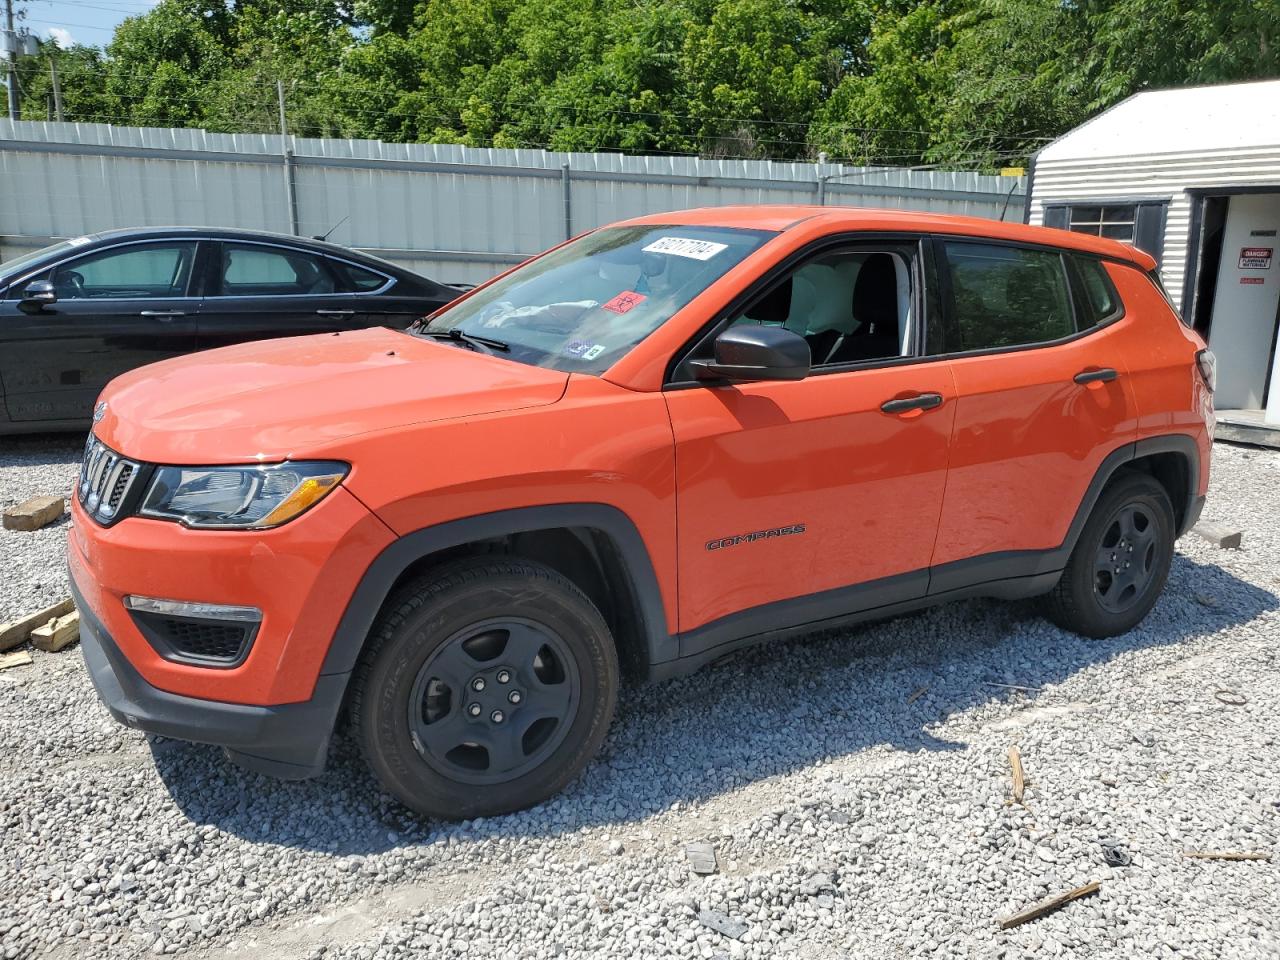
x,y
923,401
335,313
1105,375
163,314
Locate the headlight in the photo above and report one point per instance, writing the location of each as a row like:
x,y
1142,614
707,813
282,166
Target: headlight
x,y
251,497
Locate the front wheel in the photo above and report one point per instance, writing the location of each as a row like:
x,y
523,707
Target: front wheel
x,y
1120,563
487,686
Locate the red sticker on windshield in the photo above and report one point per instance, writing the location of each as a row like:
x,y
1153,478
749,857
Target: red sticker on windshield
x,y
626,300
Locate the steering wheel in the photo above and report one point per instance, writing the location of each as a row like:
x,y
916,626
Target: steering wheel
x,y
72,281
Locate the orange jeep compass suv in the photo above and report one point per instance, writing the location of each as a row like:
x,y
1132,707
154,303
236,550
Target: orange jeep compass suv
x,y
627,457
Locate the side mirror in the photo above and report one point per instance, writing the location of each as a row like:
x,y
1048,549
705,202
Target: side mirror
x,y
37,295
747,352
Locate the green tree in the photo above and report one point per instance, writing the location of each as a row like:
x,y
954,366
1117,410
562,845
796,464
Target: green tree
x,y
968,83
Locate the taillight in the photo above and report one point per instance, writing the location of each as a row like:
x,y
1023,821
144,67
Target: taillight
x,y
1208,365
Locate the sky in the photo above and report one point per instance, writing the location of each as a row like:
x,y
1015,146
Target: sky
x,y
89,22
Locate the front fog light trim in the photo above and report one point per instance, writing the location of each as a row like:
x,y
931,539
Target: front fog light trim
x,y
196,611
208,635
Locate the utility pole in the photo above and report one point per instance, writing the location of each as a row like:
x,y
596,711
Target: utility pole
x,y
57,87
290,188
10,47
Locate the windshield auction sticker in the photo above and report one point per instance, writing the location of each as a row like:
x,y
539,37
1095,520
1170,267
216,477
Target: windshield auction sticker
x,y
685,247
626,300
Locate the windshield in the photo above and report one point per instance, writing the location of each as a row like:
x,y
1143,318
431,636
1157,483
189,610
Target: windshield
x,y
16,265
581,307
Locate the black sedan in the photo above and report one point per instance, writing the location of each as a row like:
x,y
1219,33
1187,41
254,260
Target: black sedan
x,y
78,313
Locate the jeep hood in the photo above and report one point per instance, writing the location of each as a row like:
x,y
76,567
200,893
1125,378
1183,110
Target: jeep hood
x,y
276,399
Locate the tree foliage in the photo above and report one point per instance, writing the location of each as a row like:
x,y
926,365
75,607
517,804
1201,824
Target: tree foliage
x,y
978,83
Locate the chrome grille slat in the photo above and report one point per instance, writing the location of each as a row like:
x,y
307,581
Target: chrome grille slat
x,y
105,480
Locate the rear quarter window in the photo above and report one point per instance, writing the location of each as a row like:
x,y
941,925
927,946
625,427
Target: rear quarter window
x,y
1097,301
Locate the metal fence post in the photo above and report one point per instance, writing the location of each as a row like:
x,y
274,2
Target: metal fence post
x,y
290,187
568,204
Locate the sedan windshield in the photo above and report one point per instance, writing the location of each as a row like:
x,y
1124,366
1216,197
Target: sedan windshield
x,y
583,306
15,265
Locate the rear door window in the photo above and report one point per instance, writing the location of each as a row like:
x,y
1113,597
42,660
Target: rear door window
x,y
1003,296
249,270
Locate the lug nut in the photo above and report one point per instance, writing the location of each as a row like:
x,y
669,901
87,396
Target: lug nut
x,y
504,676
477,684
497,716
474,709
514,696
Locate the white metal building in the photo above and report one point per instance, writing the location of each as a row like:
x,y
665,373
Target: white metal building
x,y
1191,176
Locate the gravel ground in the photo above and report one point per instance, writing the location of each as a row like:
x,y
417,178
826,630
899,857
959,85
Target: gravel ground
x,y
853,814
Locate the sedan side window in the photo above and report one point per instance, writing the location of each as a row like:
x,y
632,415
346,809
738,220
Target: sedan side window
x,y
249,270
1004,296
852,305
135,272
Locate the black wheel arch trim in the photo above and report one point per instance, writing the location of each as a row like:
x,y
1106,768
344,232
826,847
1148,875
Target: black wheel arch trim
x,y
377,582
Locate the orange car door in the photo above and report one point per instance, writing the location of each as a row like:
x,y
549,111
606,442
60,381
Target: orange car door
x,y
1043,397
802,500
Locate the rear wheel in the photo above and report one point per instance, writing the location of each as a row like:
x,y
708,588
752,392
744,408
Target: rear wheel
x,y
486,687
1120,563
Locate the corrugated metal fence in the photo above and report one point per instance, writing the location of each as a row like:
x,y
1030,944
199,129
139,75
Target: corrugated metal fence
x,y
455,213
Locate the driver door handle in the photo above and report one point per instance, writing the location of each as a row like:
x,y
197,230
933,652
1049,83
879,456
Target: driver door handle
x,y
922,401
163,314
1105,375
335,313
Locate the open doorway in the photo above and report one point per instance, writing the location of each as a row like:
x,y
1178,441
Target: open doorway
x,y
1235,303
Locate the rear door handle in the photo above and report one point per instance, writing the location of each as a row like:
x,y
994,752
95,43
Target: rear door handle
x,y
335,313
923,401
163,314
1105,375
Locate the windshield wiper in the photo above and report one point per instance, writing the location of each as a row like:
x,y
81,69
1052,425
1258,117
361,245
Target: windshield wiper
x,y
484,344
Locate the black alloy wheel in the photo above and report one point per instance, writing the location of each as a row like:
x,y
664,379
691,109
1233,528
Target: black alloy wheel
x,y
1120,562
1126,558
494,701
485,686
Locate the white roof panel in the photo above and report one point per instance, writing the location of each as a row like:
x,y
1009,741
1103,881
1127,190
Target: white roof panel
x,y
1224,117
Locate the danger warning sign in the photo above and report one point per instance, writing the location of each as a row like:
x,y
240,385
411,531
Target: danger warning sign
x,y
1255,258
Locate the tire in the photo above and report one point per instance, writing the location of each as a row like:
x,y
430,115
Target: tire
x,y
504,656
1132,523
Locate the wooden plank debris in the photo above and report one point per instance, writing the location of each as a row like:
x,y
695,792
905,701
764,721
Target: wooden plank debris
x,y
1019,778
917,695
1050,904
18,658
34,513
1220,536
15,632
58,633
1226,855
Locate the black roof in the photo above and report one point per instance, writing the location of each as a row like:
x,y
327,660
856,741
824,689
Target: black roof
x,y
234,233
91,241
